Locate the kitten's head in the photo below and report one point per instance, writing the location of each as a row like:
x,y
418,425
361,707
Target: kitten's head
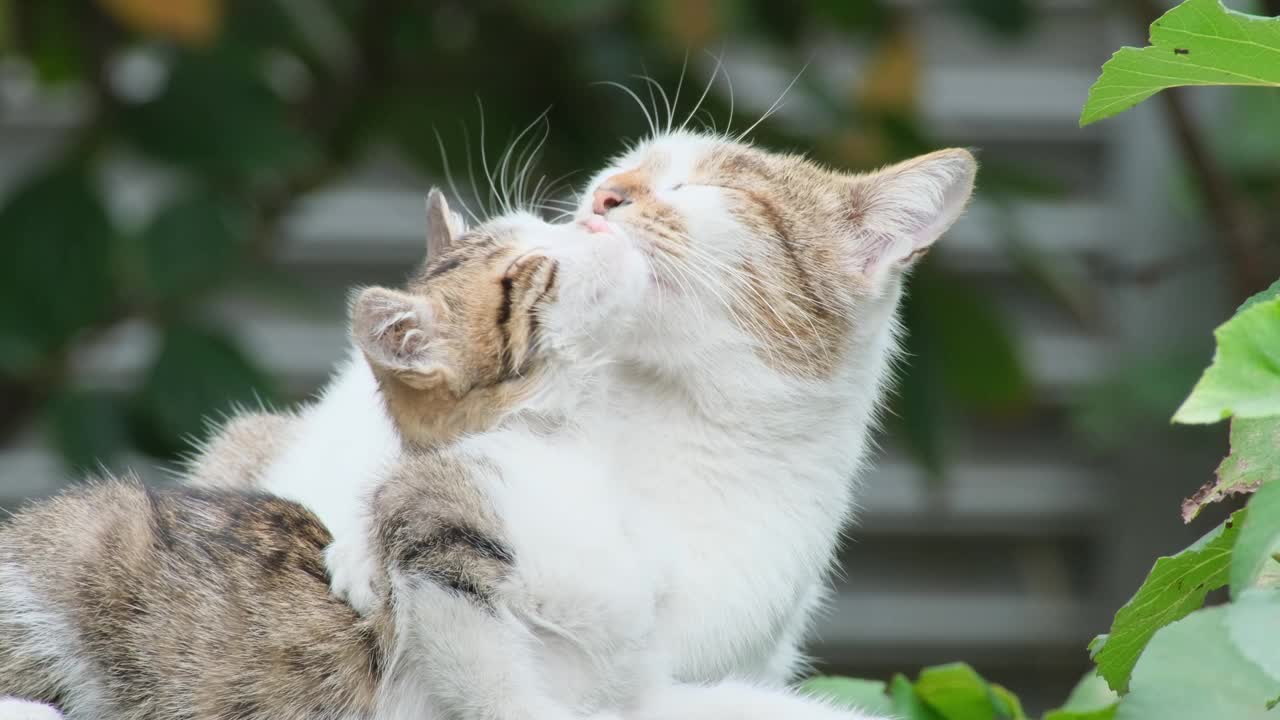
x,y
768,252
500,318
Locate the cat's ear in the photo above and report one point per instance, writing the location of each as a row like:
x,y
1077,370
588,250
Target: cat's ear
x,y
444,226
901,210
395,330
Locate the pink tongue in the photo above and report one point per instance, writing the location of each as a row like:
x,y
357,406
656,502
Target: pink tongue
x,y
596,224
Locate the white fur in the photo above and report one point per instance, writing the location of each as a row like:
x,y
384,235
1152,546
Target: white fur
x,y
45,634
14,709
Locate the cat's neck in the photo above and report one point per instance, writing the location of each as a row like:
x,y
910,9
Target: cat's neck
x,y
715,423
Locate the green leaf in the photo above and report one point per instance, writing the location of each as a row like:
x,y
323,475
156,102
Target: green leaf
x,y
1253,562
855,694
1218,663
1008,706
1091,699
1244,379
1253,623
88,429
1199,42
191,245
198,374
957,692
918,410
980,364
1176,587
1254,460
217,116
56,255
53,40
907,703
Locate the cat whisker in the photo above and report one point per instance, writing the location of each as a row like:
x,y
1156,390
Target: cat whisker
x,y
675,104
666,102
776,103
711,81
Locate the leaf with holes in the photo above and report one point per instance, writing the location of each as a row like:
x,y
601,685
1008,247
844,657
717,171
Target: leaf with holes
x,y
1244,379
1254,460
1199,42
1176,587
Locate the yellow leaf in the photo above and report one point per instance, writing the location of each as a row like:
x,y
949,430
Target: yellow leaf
x,y
688,25
891,80
194,22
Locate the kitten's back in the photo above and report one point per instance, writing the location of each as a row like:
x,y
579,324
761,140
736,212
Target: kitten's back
x,y
138,603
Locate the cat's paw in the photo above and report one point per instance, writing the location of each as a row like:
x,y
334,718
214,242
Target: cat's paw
x,y
354,572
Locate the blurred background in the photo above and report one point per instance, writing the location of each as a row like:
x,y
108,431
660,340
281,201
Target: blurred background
x,y
189,187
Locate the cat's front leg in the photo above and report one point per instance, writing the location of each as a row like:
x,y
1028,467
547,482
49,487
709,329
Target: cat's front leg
x,y
450,571
355,570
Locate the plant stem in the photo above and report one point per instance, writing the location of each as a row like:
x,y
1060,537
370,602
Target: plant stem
x,y
1239,232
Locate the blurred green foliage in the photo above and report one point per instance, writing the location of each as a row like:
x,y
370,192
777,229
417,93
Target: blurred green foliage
x,y
254,103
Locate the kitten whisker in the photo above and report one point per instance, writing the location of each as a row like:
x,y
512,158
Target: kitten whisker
x,y
448,176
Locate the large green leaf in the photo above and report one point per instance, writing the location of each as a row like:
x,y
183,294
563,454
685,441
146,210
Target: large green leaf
x,y
978,359
56,266
190,245
917,404
217,116
1254,561
88,429
855,694
1244,379
1176,586
1200,42
1254,460
1091,699
1220,663
198,374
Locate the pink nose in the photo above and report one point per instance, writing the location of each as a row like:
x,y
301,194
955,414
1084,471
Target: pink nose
x,y
606,199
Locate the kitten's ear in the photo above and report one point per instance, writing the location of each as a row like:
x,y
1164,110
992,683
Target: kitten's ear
x,y
900,211
443,225
395,330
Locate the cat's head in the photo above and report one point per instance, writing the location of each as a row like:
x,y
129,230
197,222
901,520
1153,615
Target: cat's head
x,y
769,253
502,317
